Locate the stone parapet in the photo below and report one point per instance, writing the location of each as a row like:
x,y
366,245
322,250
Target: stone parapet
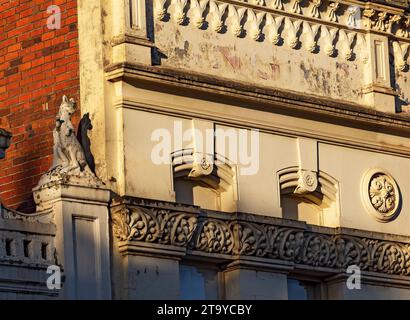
x,y
27,249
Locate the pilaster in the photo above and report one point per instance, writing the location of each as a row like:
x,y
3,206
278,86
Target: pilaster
x,y
377,89
82,237
130,42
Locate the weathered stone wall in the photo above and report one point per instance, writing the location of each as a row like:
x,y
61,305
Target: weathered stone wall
x,y
259,63
320,48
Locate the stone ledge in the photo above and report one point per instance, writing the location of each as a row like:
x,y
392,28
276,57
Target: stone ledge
x,y
269,99
46,195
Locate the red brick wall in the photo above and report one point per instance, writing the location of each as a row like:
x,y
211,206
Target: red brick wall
x,y
37,66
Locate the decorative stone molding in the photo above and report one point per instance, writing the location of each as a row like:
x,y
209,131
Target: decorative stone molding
x,y
217,12
380,195
401,55
292,31
314,11
379,21
311,36
159,10
404,30
255,20
273,25
228,236
347,39
198,10
329,37
156,226
333,7
345,15
236,16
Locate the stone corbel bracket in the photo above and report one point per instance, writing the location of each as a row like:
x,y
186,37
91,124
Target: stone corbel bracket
x,y
214,171
318,187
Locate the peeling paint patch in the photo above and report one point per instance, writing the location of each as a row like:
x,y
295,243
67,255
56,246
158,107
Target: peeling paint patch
x,y
317,78
263,75
158,27
344,67
322,81
181,53
232,59
275,68
221,56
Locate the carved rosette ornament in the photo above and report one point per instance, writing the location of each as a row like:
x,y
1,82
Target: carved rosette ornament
x,y
380,195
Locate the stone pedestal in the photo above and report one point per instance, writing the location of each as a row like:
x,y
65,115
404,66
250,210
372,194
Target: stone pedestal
x,y
82,237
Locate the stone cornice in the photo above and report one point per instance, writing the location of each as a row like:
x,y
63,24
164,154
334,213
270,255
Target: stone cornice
x,y
274,99
233,236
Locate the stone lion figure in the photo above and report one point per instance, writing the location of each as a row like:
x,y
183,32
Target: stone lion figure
x,y
69,160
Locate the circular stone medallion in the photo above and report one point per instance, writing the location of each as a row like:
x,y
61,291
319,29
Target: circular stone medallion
x,y
380,195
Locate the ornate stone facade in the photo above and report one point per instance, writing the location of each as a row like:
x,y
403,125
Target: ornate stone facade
x,y
227,150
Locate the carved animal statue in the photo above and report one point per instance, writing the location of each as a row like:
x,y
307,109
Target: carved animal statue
x,y
69,155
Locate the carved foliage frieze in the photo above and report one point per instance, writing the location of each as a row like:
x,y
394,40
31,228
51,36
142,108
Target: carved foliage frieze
x,y
232,237
160,226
